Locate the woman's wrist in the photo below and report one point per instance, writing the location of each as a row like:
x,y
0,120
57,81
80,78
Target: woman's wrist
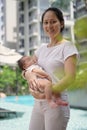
x,y
56,89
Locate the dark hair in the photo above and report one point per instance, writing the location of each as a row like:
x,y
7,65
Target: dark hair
x,y
57,12
21,62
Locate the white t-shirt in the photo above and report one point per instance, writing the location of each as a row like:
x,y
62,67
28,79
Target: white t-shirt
x,y
51,59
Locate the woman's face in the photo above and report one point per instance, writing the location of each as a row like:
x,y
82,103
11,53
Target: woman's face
x,y
51,24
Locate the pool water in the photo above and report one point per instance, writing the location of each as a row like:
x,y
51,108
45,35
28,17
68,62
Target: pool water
x,y
23,100
78,118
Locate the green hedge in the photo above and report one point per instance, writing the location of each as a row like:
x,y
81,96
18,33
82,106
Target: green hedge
x,y
81,78
80,28
11,80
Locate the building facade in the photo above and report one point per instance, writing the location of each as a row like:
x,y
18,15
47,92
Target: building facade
x,y
8,16
2,33
31,33
30,30
22,27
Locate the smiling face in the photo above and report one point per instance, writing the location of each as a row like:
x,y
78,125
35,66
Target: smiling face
x,y
51,24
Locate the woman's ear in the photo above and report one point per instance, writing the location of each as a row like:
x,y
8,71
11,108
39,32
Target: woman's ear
x,y
62,24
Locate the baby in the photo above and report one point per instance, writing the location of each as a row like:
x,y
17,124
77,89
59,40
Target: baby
x,y
27,63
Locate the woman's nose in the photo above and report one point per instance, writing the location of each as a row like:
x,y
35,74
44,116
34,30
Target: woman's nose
x,y
50,25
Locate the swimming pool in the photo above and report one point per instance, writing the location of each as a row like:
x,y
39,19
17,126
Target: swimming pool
x,y
23,100
78,120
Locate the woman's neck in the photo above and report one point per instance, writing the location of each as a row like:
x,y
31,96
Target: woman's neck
x,y
57,40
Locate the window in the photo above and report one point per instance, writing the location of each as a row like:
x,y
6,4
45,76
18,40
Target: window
x,y
21,30
21,6
21,43
2,9
2,18
21,18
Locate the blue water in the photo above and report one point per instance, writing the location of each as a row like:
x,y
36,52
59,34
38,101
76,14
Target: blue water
x,y
23,100
78,120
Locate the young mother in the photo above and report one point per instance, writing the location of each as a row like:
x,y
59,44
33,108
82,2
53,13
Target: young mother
x,y
58,58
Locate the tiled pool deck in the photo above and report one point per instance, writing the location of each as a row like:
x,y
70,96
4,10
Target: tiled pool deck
x,y
78,119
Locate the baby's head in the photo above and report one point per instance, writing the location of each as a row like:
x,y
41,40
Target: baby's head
x,y
25,62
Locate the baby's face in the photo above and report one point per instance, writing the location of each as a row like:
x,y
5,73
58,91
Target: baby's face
x,y
28,63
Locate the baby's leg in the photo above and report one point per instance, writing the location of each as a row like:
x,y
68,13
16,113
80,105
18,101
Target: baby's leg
x,y
48,94
43,83
45,86
59,101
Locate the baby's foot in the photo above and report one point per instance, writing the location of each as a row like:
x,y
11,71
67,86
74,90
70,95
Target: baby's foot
x,y
61,102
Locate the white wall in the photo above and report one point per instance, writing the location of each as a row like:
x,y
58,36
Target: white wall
x,y
11,20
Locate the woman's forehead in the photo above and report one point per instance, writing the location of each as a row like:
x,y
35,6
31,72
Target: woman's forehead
x,y
49,15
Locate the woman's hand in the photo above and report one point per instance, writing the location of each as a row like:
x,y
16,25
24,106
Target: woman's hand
x,y
32,80
37,94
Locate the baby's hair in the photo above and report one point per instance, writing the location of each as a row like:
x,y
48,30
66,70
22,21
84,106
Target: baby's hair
x,y
21,62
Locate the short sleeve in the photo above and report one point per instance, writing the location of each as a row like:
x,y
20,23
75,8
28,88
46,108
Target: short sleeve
x,y
69,50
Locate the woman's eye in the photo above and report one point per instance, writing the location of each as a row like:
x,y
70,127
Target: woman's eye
x,y
45,22
53,21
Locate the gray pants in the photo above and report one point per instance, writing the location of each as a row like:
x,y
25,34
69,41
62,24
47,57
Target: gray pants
x,y
46,118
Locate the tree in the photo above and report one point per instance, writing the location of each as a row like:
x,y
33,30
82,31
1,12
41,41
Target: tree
x,y
63,4
81,78
85,4
12,82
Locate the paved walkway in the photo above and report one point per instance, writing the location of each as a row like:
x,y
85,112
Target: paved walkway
x,y
78,119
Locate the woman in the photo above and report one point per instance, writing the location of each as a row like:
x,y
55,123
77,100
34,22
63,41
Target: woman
x,y
58,58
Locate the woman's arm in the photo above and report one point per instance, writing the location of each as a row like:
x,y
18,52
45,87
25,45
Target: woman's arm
x,y
70,73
